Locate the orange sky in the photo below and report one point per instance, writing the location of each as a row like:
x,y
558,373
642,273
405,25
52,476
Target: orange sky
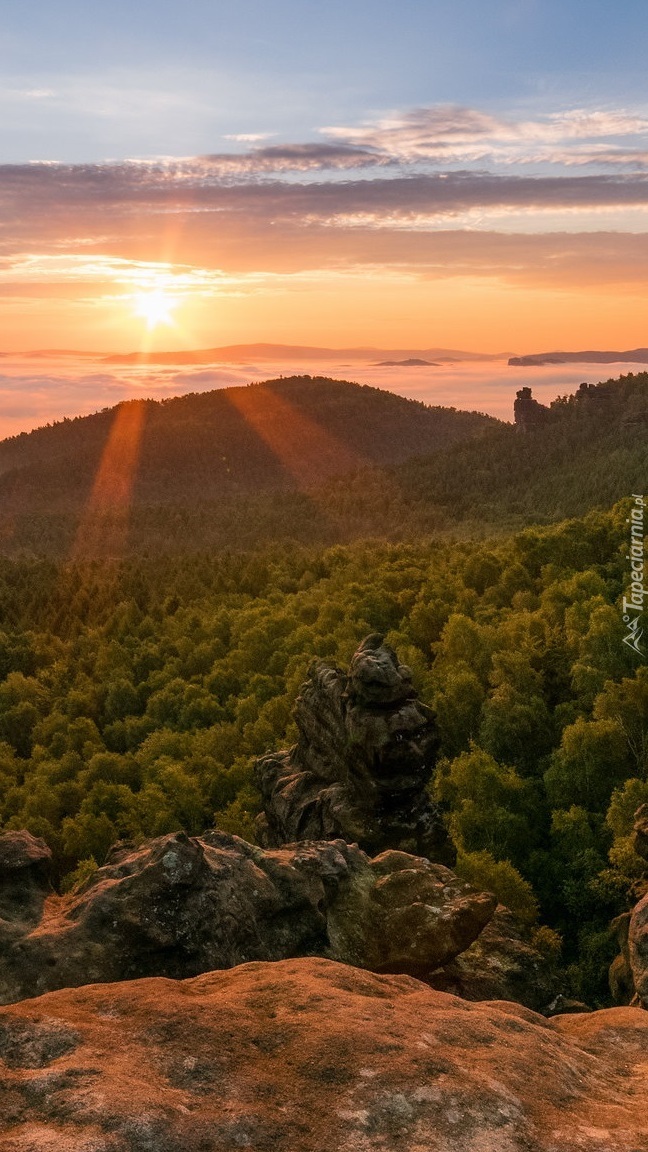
x,y
448,174
334,244
339,311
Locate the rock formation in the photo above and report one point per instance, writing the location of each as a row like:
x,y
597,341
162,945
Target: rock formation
x,y
620,976
629,971
361,765
306,1055
640,832
179,905
500,964
182,905
638,951
528,413
24,883
637,946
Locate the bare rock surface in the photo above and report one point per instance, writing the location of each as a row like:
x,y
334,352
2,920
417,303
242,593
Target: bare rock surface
x,y
181,905
306,1055
361,765
621,980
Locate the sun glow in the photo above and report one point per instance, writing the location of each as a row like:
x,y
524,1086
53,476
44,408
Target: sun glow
x,y
156,306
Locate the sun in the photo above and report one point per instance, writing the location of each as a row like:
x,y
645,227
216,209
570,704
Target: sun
x,y
156,306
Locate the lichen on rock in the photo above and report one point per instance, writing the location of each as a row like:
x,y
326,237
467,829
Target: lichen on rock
x,y
306,1055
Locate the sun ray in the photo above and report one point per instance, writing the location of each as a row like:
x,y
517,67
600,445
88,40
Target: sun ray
x,y
306,450
103,527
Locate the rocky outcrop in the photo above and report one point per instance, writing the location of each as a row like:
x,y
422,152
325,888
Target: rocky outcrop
x,y
361,765
306,1055
182,905
24,882
638,925
416,910
640,832
621,980
528,413
501,964
638,951
629,971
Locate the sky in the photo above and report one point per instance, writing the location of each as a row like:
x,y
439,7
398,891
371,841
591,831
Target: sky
x,y
428,174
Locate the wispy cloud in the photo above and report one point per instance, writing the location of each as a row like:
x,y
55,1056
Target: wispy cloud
x,y
198,185
136,274
452,134
27,94
248,137
279,158
368,248
358,200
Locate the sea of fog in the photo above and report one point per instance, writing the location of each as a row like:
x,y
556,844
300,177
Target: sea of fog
x,y
37,391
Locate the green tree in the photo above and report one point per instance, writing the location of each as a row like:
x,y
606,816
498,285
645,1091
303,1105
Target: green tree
x,y
501,878
490,805
591,760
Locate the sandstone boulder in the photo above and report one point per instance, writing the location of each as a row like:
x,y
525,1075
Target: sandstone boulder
x,y
620,974
410,911
181,905
638,950
501,964
629,971
24,883
307,1055
361,765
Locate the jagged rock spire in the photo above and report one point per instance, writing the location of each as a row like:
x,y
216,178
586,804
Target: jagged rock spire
x,y
360,768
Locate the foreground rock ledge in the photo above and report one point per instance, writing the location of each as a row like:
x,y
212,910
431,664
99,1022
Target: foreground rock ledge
x,y
181,905
312,1056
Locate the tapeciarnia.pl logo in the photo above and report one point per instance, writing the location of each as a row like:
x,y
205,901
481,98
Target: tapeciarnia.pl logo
x,y
633,605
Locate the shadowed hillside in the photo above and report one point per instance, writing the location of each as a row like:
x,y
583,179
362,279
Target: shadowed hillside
x,y
285,433
316,461
586,450
198,456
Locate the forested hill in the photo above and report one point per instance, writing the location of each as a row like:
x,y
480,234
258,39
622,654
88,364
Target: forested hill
x,y
586,451
285,433
314,461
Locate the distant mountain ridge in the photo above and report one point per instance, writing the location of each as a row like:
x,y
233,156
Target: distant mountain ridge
x,y
242,353
283,352
411,362
537,360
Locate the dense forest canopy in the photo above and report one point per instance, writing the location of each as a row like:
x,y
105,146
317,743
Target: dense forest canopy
x,y
156,624
136,695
